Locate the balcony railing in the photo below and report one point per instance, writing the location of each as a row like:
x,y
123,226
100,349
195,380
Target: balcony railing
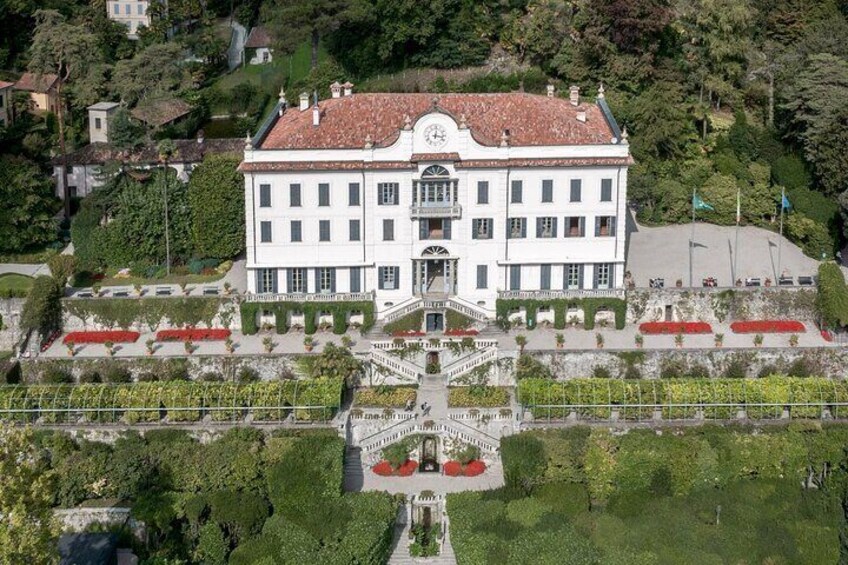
x,y
324,297
435,210
557,294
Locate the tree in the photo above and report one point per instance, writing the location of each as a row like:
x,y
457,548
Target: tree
x,y
335,361
216,200
125,133
154,71
62,268
68,51
43,307
291,22
29,533
26,217
658,120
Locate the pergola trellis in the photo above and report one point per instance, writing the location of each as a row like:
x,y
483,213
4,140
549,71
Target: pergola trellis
x,y
314,400
681,399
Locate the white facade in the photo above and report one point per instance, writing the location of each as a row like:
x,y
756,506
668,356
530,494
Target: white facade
x,y
99,120
262,56
5,103
469,263
131,13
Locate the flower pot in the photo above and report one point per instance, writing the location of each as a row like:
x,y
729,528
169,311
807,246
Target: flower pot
x,y
308,348
560,345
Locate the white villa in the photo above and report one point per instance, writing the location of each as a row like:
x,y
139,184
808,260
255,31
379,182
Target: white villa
x,y
131,13
458,198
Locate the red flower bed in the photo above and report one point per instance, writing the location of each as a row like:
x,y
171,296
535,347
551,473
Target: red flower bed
x,y
192,334
826,335
661,328
408,333
384,469
461,332
115,336
768,327
455,469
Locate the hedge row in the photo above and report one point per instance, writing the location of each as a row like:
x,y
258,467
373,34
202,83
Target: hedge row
x,y
310,310
188,311
716,398
506,307
315,399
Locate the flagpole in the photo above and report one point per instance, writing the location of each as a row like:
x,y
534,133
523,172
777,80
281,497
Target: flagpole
x,y
780,241
692,239
736,245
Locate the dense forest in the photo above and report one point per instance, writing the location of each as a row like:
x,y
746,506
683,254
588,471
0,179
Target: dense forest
x,y
722,96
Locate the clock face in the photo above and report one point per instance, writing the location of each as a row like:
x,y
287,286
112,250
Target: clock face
x,y
435,135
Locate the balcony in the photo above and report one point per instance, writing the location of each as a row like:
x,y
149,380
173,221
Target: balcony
x,y
300,297
561,294
435,210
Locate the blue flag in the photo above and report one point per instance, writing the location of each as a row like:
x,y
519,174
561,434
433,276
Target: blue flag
x,y
699,204
786,204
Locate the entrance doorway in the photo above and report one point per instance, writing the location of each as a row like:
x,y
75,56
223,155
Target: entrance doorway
x,y
435,276
435,322
429,455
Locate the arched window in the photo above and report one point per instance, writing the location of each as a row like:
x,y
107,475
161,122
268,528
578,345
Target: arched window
x,y
434,251
435,188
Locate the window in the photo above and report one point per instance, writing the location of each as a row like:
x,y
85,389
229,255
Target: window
x,y
546,227
266,56
1,101
140,9
326,280
482,276
576,185
296,231
575,226
606,190
323,194
294,194
356,279
481,228
603,275
515,193
516,228
434,228
547,190
483,192
116,8
545,277
572,277
128,9
72,190
387,278
353,194
604,226
297,281
515,277
388,230
264,195
324,230
354,230
266,280
387,193
97,122
265,232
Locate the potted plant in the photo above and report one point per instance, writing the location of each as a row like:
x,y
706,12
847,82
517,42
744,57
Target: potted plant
x,y
268,344
560,341
599,340
184,287
110,348
229,345
767,281
758,340
573,320
738,282
95,289
640,340
72,350
679,283
138,289
347,341
678,340
189,347
718,340
228,288
151,346
308,343
793,340
521,341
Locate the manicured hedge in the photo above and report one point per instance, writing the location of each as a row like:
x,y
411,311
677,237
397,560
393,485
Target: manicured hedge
x,y
384,396
479,397
590,306
310,310
183,311
315,399
717,398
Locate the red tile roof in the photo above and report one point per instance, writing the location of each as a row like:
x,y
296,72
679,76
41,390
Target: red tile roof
x,y
4,84
259,37
32,82
292,166
551,162
531,119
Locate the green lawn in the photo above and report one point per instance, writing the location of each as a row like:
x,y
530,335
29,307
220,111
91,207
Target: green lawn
x,y
11,282
31,257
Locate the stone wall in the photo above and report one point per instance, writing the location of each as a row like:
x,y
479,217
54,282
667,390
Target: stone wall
x,y
10,330
826,362
717,306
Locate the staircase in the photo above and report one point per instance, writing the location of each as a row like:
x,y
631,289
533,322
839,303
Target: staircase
x,y
469,363
354,476
399,367
401,556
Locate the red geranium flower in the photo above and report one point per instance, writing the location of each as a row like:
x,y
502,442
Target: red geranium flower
x,y
452,468
474,468
767,327
193,334
115,336
660,328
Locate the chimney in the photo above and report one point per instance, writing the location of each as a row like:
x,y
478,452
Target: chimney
x,y
304,101
551,91
316,111
505,138
336,89
348,88
200,136
574,95
601,91
581,116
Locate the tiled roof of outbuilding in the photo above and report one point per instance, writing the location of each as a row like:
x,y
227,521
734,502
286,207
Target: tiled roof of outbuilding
x,y
348,122
188,151
259,37
32,82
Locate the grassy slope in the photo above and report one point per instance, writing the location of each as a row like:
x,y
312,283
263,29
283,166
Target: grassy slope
x,y
15,282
